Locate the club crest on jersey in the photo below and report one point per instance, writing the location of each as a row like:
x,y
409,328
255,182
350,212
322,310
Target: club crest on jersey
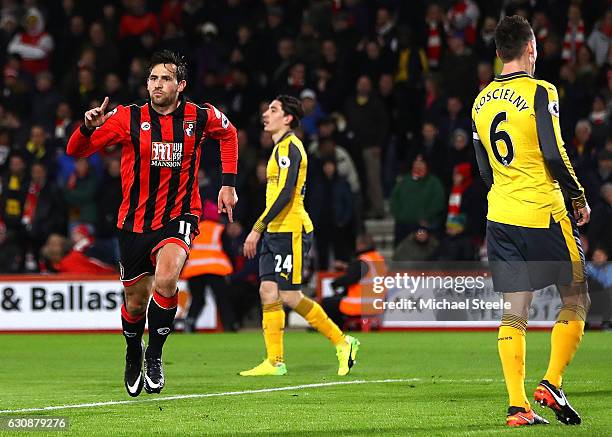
x,y
145,125
189,128
553,108
166,154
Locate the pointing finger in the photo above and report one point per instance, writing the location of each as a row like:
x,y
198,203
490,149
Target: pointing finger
x,y
104,104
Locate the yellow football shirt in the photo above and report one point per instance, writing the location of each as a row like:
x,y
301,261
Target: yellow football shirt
x,y
520,151
286,176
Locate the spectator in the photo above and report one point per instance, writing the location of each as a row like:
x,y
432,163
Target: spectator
x,y
385,29
39,148
34,45
599,273
5,149
367,127
77,255
485,75
600,39
108,199
312,112
485,44
455,244
453,120
461,152
107,58
64,125
44,211
600,123
433,109
80,193
462,179
285,58
582,150
600,231
327,148
458,67
372,60
11,252
334,224
418,246
436,35
549,60
13,192
137,20
574,34
417,200
15,94
463,16
433,149
47,99
295,81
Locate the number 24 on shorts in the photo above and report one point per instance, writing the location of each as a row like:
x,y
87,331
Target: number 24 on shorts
x,y
280,264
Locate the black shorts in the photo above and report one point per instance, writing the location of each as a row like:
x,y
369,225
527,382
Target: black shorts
x,y
528,259
137,250
281,258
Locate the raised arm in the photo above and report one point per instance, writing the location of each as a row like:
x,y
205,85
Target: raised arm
x,y
98,130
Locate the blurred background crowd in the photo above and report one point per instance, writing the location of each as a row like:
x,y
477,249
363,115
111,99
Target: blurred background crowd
x,y
387,87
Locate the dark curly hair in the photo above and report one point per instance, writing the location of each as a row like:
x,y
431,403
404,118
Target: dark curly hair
x,y
291,106
167,57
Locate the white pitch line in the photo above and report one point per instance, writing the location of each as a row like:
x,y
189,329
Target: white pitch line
x,y
209,395
266,390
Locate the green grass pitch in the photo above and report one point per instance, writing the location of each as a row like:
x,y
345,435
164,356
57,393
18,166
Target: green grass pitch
x,y
453,385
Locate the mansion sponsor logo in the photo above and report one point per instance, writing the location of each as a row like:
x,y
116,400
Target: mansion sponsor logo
x,y
166,154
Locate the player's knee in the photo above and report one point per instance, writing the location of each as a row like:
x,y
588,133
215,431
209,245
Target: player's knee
x,y
577,294
268,292
165,284
291,298
136,305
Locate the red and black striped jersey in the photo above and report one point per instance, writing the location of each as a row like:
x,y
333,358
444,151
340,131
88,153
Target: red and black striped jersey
x,y
160,157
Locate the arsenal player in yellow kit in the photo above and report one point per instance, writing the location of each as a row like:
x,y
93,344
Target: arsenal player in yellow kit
x,y
532,240
285,231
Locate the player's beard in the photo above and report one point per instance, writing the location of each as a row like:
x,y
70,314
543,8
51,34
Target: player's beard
x,y
163,101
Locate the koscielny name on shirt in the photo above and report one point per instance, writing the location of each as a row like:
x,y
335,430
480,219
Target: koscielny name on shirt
x,y
503,94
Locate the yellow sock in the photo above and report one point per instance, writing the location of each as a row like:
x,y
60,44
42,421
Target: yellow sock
x,y
314,314
564,341
273,324
512,351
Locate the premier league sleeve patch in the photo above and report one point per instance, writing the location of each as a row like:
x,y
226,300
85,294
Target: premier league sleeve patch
x,y
553,108
284,162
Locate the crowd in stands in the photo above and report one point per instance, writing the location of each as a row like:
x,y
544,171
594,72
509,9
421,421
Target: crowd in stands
x,y
387,87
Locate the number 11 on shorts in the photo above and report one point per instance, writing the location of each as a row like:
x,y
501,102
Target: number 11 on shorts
x,y
185,230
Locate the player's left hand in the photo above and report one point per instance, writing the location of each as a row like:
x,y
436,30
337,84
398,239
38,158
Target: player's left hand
x,y
250,244
582,215
227,201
